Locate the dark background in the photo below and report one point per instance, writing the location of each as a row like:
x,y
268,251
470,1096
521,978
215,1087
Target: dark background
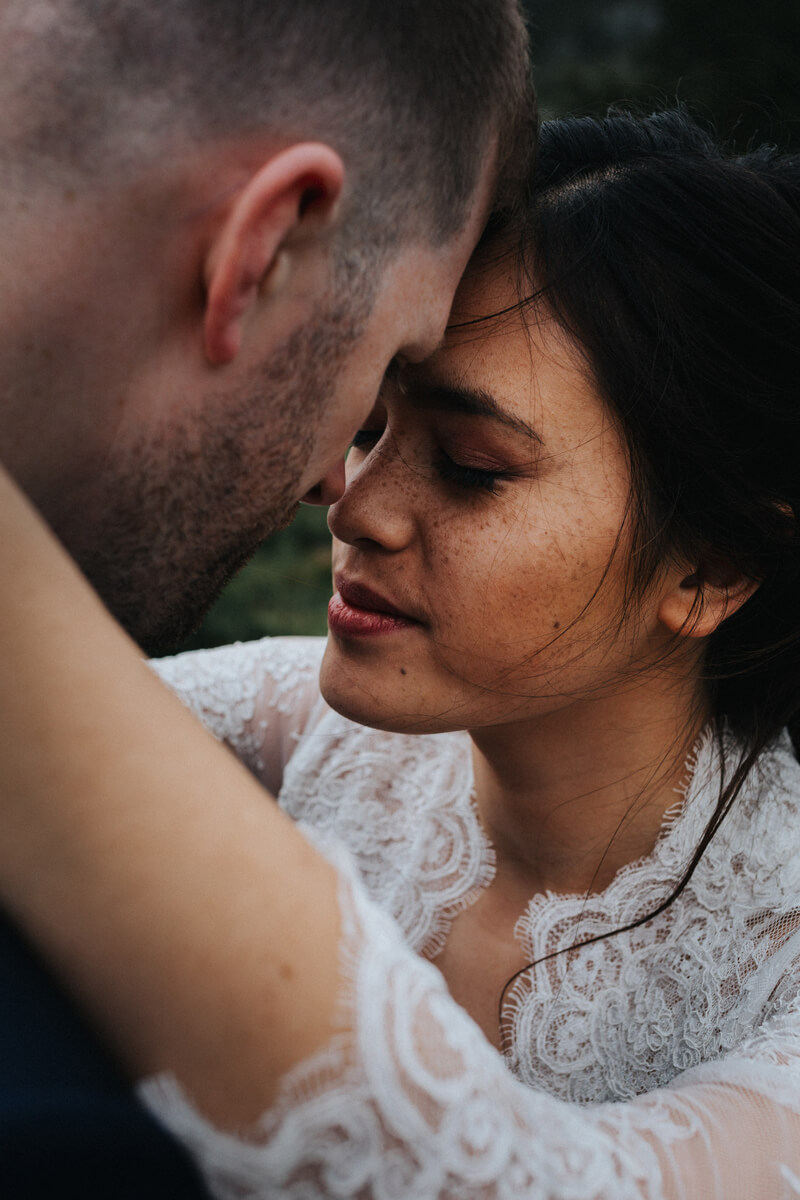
x,y
735,64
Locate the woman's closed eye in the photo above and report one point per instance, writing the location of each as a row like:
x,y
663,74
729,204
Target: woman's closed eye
x,y
465,475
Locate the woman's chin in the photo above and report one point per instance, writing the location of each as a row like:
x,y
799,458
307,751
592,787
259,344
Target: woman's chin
x,y
379,695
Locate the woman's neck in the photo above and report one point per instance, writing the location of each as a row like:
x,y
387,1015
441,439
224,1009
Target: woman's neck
x,y
569,798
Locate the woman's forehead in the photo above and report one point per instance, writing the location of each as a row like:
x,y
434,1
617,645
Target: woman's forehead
x,y
493,331
531,373
487,290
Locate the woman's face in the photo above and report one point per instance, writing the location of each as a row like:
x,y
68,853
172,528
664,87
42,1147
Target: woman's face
x,y
480,547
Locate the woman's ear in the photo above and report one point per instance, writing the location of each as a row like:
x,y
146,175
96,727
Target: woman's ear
x,y
697,604
296,192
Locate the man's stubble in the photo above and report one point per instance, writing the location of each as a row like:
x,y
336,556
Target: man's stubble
x,y
178,510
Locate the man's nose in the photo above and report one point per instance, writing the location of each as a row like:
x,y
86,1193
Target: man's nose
x,y
329,489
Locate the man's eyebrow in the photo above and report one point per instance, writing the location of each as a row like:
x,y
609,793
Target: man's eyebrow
x,y
472,402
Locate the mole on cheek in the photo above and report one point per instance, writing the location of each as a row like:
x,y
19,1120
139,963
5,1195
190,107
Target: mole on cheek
x,y
402,671
556,624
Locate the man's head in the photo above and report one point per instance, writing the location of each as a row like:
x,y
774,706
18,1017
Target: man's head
x,y
220,220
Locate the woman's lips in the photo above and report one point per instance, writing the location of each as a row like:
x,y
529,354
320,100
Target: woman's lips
x,y
356,611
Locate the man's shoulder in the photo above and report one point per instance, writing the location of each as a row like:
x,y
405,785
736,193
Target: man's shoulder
x,y
69,1122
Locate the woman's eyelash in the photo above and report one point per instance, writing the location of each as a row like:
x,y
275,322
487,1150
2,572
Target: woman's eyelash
x,y
475,478
449,471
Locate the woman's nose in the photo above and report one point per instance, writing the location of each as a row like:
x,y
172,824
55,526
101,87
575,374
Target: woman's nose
x,y
377,503
329,488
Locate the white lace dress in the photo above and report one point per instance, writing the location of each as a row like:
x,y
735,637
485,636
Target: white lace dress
x,y
659,1063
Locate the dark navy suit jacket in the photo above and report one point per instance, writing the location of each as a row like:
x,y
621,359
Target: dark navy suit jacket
x,y
70,1127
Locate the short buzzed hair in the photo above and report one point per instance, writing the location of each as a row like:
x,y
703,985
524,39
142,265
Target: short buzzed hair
x,y
410,92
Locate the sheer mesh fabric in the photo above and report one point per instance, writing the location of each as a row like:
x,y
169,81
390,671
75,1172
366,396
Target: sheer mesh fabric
x,y
660,1063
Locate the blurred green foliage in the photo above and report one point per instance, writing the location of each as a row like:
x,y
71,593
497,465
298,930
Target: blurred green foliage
x,y
734,62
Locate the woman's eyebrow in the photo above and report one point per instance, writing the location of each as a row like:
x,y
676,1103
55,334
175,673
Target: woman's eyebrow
x,y
472,402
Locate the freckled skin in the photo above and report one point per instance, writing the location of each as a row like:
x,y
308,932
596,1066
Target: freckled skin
x,y
580,720
517,589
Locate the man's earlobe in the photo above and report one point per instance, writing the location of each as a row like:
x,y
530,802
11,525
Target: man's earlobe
x,y
701,601
250,258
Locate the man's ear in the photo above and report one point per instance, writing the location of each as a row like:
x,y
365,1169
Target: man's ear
x,y
295,191
698,604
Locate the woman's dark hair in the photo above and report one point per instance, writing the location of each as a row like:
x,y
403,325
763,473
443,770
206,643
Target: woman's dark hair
x,y
675,266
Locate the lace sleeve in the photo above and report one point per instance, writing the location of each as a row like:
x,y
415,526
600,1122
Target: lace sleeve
x,y
255,696
411,1101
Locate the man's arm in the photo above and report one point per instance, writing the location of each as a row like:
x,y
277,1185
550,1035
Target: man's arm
x,y
127,834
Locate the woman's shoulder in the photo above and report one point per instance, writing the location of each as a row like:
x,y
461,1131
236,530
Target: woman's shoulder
x,y
753,859
257,696
771,818
228,673
278,656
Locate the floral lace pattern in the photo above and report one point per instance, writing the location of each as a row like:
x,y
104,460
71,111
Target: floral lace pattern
x,y
679,1039
226,689
406,818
